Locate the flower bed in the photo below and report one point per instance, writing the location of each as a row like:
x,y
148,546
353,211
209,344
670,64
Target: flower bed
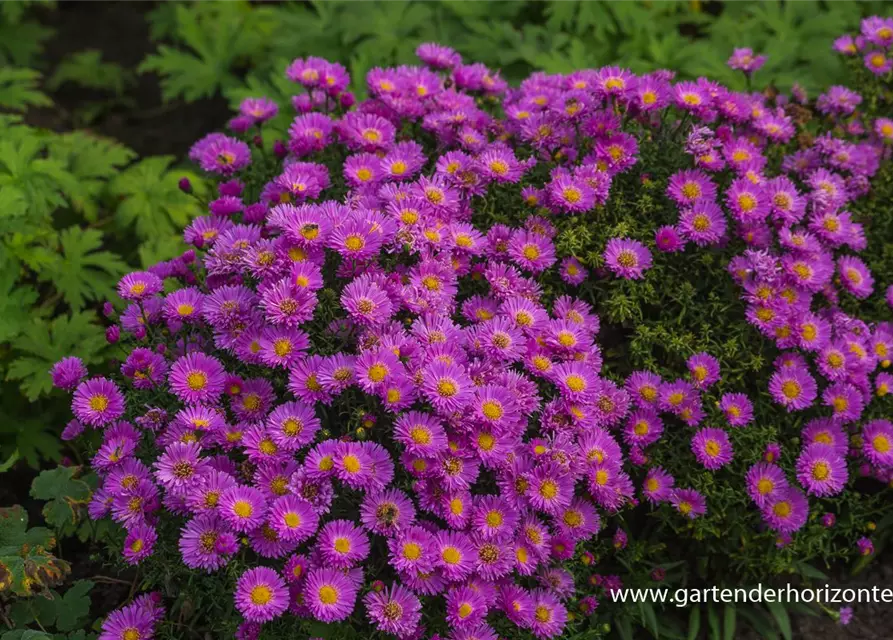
x,y
437,356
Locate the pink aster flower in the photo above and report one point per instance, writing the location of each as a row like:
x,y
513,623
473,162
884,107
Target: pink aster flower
x,y
712,448
627,258
197,378
97,402
261,595
793,388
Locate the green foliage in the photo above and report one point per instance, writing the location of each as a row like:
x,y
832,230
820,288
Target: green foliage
x,y
150,200
73,210
27,565
64,493
87,69
217,38
516,37
21,35
18,89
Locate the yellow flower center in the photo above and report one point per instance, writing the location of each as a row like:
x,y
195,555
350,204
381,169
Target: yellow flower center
x,y
292,520
243,509
327,594
99,402
196,380
261,595
549,489
791,389
447,388
342,545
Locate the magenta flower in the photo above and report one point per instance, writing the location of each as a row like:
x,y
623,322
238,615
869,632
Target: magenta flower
x,y
627,258
97,402
261,595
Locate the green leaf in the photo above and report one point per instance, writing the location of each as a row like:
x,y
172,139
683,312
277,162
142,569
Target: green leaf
x,y
63,492
780,614
20,39
18,89
25,634
73,606
13,524
43,343
13,10
82,272
713,622
86,69
92,160
624,628
40,180
728,623
151,200
15,304
694,623
217,37
809,571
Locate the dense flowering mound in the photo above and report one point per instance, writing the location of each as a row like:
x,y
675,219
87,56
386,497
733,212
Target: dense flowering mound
x,y
373,391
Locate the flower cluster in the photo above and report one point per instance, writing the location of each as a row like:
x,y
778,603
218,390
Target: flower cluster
x,y
354,365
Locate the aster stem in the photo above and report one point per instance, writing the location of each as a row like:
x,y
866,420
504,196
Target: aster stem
x,y
109,580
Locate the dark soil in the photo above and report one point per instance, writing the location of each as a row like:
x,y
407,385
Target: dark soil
x,y
144,123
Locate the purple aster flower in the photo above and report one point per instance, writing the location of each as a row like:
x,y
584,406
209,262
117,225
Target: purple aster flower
x,y
570,195
787,512
139,285
643,428
765,481
703,223
179,465
395,610
793,388
744,60
329,594
258,109
877,443
438,56
737,408
531,251
688,502
145,367
465,607
690,187
243,508
627,258
197,378
712,448
342,544
658,485
572,271
878,63
206,542
421,434
855,276
821,470
68,373
261,595
549,615
865,546
221,154
387,512
97,402
129,622
704,369
139,543
293,519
